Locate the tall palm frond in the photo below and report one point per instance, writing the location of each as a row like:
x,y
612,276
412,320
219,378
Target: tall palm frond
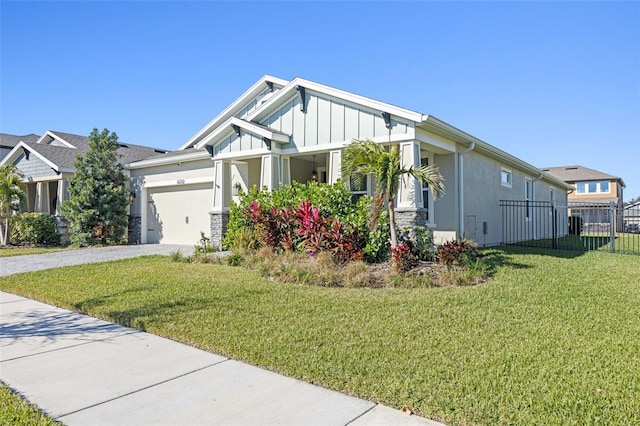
x,y
364,157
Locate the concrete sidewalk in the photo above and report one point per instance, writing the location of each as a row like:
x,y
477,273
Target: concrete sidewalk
x,y
84,371
37,262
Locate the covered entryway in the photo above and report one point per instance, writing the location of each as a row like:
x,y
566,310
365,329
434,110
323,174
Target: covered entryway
x,y
177,214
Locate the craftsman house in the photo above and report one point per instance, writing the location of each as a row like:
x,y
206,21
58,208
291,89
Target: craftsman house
x,y
281,131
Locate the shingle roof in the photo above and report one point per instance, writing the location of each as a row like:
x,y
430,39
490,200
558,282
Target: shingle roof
x,y
64,157
578,173
9,141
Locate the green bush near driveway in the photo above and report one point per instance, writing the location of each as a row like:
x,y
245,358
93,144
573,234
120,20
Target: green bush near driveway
x,y
34,228
553,339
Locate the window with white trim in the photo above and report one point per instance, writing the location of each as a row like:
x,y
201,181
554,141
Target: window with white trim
x,y
426,197
595,187
359,186
528,188
505,177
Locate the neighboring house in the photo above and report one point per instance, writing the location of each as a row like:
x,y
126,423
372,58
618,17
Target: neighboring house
x,y
593,191
8,142
47,164
281,131
589,186
632,217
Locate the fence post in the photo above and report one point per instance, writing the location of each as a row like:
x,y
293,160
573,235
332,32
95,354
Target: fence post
x,y
612,230
554,227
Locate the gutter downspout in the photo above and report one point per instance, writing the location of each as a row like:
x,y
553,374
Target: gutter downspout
x,y
461,189
533,198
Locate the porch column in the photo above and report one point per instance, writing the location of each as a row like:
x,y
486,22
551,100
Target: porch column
x,y
286,170
221,186
410,189
42,197
270,172
335,167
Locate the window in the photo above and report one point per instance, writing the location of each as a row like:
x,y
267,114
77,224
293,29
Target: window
x,y
601,187
505,177
426,198
359,186
527,196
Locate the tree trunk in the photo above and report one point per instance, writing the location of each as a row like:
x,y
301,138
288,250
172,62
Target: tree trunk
x,y
392,223
5,232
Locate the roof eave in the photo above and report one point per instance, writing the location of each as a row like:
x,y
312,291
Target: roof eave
x,y
191,156
232,109
488,149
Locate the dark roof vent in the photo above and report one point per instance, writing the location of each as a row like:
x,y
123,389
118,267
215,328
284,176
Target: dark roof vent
x,y
123,145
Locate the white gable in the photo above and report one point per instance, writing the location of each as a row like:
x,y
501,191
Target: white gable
x,y
328,120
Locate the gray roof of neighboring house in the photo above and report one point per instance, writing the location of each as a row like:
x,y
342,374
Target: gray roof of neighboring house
x,y
65,157
9,141
579,173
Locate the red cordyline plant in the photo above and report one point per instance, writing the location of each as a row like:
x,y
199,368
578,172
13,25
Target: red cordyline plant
x,y
305,223
403,259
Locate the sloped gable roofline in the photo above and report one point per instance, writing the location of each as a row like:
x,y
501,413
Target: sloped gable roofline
x,y
232,109
286,92
254,128
15,153
56,137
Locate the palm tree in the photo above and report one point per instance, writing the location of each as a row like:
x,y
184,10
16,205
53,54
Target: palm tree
x,y
11,195
363,157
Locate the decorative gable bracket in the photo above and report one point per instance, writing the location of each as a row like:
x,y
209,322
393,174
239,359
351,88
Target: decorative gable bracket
x,y
387,119
301,97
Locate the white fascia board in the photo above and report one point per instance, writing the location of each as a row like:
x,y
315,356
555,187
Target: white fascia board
x,y
261,131
192,156
232,109
249,127
244,155
17,150
493,152
287,91
56,137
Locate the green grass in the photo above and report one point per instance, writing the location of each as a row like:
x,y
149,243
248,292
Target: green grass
x,y
16,411
554,339
21,251
625,243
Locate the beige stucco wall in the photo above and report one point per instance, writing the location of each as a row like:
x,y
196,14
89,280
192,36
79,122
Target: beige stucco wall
x,y
173,174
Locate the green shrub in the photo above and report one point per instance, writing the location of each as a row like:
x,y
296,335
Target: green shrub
x,y
264,217
235,259
34,228
420,239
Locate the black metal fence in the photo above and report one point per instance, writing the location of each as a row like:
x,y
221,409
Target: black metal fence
x,y
576,226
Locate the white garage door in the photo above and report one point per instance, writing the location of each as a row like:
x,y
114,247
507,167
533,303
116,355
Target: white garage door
x,y
176,215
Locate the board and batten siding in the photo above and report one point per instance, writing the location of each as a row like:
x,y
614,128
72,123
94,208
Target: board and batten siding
x,y
327,120
234,143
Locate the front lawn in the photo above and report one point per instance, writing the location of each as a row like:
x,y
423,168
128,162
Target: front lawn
x,y
553,339
21,251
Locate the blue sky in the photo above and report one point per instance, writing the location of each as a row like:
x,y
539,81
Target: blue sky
x,y
554,83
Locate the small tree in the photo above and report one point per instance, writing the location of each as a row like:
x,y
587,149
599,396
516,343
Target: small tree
x,y
97,208
11,196
364,157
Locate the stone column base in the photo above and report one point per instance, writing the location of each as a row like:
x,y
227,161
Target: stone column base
x,y
134,234
219,221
